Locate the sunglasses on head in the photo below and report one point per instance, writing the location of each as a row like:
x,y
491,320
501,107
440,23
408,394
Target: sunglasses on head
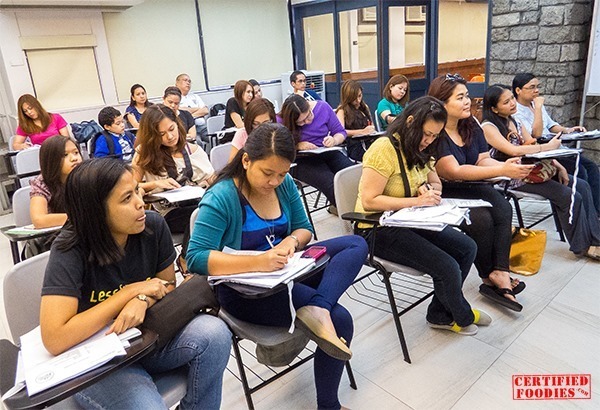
x,y
454,77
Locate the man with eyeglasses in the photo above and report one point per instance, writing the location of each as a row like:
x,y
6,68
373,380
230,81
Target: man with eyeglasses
x,y
193,104
298,82
532,115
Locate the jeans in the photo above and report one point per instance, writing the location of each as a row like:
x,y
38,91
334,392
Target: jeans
x,y
319,170
203,346
585,229
490,227
588,171
446,256
348,253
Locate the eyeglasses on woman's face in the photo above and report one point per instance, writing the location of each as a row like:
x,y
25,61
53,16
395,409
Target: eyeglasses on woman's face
x,y
305,118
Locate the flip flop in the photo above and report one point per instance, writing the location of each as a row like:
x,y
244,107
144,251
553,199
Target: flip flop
x,y
497,295
519,288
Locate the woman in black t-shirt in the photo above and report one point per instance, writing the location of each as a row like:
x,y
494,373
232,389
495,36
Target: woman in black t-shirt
x,y
462,155
243,93
111,262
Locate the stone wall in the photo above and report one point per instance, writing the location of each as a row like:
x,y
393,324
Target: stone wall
x,y
550,39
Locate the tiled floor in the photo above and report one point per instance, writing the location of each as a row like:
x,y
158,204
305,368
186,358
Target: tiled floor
x,y
558,332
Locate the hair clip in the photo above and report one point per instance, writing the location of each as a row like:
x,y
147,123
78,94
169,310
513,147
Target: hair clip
x,y
454,77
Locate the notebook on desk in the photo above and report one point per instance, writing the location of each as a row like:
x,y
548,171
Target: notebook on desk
x,y
431,218
185,193
320,150
295,267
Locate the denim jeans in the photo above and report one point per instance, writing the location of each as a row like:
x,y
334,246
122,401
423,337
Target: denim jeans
x,y
348,253
585,229
319,170
203,346
490,228
589,172
446,256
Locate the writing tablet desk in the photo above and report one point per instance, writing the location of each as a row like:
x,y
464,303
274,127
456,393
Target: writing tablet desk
x,y
139,348
15,238
257,292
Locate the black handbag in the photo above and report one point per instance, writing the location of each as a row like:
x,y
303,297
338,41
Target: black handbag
x,y
173,312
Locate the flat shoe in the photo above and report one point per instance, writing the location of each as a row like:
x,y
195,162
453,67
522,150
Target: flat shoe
x,y
470,330
481,318
328,342
497,295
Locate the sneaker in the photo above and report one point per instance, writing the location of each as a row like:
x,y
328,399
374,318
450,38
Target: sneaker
x,y
470,330
481,318
332,210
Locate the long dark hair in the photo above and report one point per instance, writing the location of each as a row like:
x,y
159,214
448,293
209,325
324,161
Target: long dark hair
x,y
442,88
349,91
132,90
410,133
26,123
52,155
291,109
490,100
87,190
154,157
264,141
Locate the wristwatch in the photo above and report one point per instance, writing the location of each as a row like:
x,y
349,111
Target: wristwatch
x,y
143,298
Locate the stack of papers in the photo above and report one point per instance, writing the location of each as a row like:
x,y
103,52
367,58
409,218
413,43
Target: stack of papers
x,y
554,153
574,136
320,150
466,203
295,267
39,370
431,218
184,193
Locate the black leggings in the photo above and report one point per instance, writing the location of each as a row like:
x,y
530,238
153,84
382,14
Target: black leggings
x,y
490,227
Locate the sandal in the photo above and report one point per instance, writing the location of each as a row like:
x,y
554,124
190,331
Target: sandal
x,y
497,295
519,288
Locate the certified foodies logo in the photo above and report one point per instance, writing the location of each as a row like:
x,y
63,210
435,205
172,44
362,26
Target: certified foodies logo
x,y
551,386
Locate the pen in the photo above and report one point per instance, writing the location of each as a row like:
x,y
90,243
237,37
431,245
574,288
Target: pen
x,y
168,282
428,186
267,237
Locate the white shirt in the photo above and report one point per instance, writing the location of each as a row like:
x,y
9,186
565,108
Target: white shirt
x,y
525,116
192,100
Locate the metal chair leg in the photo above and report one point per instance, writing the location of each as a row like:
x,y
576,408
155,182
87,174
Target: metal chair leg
x,y
388,285
557,222
243,378
351,376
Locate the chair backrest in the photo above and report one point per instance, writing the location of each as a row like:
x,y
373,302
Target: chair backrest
x,y
20,205
215,124
219,156
377,120
345,188
26,161
11,142
22,290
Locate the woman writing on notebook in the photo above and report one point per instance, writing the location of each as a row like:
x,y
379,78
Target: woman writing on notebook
x,y
110,246
36,124
163,160
313,125
550,179
462,155
398,173
255,205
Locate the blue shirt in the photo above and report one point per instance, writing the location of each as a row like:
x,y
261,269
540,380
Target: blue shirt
x,y
255,229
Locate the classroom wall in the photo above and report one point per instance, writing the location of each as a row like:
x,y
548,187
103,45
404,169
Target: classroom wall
x,y
47,51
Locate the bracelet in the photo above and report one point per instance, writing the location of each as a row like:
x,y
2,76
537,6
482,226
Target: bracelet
x,y
388,116
294,237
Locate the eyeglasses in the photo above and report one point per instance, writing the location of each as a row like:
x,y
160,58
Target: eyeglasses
x,y
532,87
454,77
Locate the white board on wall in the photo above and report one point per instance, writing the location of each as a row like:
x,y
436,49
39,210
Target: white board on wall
x,y
592,76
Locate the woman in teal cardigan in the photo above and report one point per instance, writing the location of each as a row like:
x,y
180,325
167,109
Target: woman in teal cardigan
x,y
255,205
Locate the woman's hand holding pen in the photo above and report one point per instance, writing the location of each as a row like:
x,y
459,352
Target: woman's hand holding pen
x,y
427,196
554,143
288,245
513,168
271,260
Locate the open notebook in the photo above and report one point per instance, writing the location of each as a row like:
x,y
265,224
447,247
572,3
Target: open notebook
x,y
295,267
432,218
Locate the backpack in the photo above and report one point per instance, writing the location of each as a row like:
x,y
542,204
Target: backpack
x,y
110,144
85,130
217,109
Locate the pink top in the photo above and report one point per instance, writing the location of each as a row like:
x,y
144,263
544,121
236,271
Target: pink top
x,y
239,139
55,125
